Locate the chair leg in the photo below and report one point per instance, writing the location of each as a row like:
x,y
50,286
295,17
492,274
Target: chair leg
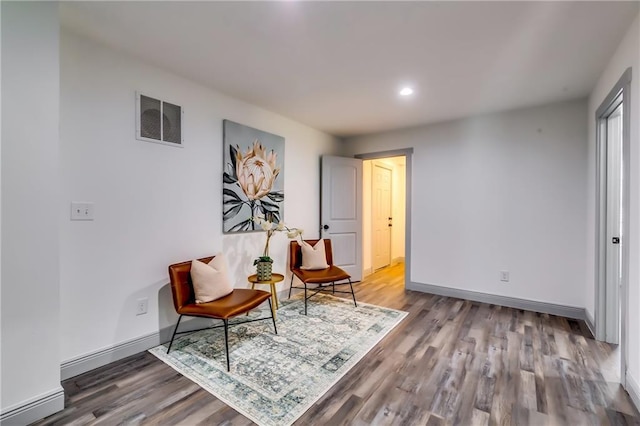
x,y
334,287
305,298
174,333
290,286
273,318
226,342
353,294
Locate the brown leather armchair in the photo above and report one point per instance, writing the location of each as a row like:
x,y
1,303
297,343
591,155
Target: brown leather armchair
x,y
240,301
320,278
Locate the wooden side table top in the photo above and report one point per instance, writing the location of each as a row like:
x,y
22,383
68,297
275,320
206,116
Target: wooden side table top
x,y
275,278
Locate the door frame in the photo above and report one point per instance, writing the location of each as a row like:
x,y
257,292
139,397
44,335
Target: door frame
x,y
623,86
374,163
407,153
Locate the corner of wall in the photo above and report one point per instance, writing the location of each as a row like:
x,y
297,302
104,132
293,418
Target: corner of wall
x,y
29,197
633,389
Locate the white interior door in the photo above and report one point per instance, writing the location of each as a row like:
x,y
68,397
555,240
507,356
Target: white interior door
x,y
614,226
341,211
381,203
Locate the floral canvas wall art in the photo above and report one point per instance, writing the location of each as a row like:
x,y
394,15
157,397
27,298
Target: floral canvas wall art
x,y
253,180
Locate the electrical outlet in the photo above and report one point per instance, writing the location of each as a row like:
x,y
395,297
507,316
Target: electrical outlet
x,y
504,276
81,210
141,306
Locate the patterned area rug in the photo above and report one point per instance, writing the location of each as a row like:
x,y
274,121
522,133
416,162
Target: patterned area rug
x,y
274,379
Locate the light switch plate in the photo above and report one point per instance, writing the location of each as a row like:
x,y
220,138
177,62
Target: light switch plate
x,y
81,210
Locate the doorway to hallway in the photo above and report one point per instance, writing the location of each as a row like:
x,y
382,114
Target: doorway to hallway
x,y
384,199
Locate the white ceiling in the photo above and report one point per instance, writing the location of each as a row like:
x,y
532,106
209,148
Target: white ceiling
x,y
337,66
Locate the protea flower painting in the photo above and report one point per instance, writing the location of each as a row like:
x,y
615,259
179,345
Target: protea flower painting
x,y
253,181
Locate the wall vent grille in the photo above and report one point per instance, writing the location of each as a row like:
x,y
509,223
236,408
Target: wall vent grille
x,y
158,121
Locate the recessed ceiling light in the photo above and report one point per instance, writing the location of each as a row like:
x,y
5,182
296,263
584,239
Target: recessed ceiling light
x,y
406,91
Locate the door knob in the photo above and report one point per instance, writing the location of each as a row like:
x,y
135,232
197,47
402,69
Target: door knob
x,y
325,227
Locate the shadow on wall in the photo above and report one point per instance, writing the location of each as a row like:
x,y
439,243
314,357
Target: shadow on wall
x,y
164,311
167,316
241,250
128,320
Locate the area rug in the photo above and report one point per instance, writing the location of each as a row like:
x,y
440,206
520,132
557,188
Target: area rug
x,y
274,379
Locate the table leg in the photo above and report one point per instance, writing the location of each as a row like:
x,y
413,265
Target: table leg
x,y
274,292
273,300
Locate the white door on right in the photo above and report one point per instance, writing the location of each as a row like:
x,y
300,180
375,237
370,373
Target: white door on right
x,y
381,216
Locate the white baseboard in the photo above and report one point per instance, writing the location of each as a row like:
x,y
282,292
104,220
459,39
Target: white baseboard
x,y
93,360
397,260
367,272
633,390
101,357
511,302
33,409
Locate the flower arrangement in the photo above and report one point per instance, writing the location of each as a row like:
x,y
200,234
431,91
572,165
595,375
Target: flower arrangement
x,y
270,228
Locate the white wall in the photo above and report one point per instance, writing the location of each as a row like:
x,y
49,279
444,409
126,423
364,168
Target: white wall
x,y
499,192
626,55
30,144
154,204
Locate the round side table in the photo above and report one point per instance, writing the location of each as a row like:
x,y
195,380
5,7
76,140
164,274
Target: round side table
x,y
275,278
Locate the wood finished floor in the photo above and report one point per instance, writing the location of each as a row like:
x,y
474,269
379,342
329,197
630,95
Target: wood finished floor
x,y
449,362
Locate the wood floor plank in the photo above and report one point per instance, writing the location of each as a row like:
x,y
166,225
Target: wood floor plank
x,y
450,362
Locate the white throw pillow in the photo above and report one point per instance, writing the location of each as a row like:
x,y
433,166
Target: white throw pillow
x,y
210,281
313,258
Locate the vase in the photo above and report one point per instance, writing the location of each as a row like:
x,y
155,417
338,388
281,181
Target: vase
x,y
263,271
